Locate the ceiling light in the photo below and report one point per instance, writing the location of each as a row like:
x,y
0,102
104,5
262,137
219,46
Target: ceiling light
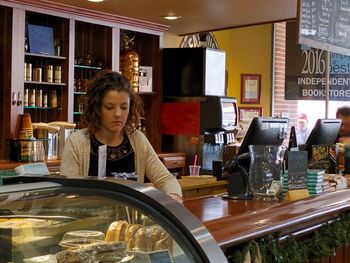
x,y
96,1
171,17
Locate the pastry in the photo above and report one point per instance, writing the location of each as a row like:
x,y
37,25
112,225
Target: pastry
x,y
131,231
116,231
161,239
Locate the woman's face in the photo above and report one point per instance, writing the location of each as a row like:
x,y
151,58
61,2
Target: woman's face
x,y
114,111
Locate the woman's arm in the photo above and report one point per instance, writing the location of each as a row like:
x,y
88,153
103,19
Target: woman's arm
x,y
159,175
70,165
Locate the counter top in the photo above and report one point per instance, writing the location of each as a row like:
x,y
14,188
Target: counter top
x,y
232,222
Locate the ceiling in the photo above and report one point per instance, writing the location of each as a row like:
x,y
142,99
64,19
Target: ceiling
x,y
196,15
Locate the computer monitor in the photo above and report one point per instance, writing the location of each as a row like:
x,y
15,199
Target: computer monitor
x,y
325,132
262,131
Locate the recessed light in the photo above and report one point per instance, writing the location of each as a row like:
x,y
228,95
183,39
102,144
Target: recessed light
x,y
96,1
171,17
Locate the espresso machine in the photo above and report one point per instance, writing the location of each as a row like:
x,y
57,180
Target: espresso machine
x,y
202,126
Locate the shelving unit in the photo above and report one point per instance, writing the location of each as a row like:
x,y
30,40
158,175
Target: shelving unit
x,y
44,95
81,33
93,53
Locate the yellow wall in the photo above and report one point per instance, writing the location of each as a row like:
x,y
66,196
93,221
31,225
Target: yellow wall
x,y
248,51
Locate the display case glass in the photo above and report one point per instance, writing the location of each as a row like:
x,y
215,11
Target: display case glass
x,y
50,219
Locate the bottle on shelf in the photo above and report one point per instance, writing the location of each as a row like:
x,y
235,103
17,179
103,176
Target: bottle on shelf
x,y
26,94
39,96
45,100
53,99
57,74
32,98
57,45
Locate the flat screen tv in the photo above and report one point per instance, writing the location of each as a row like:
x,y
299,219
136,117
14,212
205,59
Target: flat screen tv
x,y
325,132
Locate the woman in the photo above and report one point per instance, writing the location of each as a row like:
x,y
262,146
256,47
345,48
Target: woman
x,y
111,115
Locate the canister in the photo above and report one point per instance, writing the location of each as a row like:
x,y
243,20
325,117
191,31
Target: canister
x,y
28,72
57,74
49,73
37,74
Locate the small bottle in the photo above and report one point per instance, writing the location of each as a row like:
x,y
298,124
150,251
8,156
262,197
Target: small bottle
x,y
39,96
32,98
53,99
26,93
57,74
57,44
28,72
45,100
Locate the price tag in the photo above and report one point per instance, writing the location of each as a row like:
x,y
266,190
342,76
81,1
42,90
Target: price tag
x,y
102,161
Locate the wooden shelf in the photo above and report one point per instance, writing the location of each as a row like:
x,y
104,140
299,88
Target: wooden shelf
x,y
146,93
40,108
44,56
87,67
45,83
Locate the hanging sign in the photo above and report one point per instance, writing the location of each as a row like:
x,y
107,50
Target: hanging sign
x,y
305,72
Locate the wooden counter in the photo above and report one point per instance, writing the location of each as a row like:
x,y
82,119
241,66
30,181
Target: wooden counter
x,y
234,222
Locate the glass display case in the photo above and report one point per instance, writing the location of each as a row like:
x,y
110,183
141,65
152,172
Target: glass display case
x,y
56,219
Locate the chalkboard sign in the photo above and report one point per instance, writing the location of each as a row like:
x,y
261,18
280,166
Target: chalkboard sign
x,y
325,24
297,169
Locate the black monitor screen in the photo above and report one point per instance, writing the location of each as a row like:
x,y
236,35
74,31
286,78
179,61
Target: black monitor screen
x,y
325,132
265,131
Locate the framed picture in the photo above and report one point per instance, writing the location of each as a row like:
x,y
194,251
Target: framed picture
x,y
250,88
41,40
247,114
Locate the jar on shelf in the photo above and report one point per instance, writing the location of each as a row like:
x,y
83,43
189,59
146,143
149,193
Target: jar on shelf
x,y
37,74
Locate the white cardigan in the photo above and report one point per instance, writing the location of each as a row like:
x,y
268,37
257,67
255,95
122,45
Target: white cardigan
x,y
76,158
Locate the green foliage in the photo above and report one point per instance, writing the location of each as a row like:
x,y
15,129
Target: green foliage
x,y
322,243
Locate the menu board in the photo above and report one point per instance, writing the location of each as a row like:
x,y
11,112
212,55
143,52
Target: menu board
x,y
325,24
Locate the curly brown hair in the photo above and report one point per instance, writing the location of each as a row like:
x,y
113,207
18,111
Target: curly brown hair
x,y
104,82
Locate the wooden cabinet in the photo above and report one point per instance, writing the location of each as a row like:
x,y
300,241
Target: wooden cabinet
x,y
82,34
175,162
93,53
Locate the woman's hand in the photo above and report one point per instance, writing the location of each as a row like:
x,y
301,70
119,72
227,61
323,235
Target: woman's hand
x,y
176,197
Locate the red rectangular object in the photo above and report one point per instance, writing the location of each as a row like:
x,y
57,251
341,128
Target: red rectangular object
x,y
180,118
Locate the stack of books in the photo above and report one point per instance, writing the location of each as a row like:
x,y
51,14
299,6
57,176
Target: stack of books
x,y
285,186
315,183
